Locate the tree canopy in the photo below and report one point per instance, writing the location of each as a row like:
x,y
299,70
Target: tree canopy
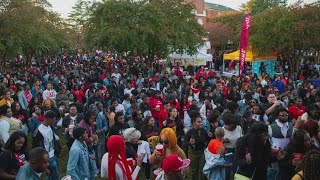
x,y
28,27
147,27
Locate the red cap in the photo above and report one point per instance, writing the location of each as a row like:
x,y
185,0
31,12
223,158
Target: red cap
x,y
173,163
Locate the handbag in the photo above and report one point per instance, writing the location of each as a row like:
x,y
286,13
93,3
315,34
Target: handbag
x,y
238,176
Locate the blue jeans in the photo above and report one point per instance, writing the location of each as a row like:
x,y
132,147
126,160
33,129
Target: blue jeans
x,y
54,170
100,150
274,173
93,165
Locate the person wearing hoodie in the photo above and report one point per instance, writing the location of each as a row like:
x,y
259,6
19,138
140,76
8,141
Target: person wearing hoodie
x,y
119,126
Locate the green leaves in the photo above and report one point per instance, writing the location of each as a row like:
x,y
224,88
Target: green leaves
x,y
29,28
144,27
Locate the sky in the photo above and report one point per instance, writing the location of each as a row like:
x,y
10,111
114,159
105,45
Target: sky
x,y
64,7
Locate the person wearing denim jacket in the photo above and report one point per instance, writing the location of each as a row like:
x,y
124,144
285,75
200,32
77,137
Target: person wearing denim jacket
x,y
78,163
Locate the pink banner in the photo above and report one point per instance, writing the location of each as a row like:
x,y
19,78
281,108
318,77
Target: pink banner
x,y
244,40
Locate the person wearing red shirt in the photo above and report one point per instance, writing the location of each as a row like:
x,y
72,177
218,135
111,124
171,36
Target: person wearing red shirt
x,y
178,70
297,109
78,93
157,107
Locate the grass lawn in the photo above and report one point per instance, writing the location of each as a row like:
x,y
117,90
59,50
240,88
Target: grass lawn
x,y
63,161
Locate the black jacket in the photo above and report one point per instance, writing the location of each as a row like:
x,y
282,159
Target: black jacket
x,y
117,129
38,141
259,163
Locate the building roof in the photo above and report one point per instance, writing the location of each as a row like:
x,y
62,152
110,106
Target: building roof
x,y
217,7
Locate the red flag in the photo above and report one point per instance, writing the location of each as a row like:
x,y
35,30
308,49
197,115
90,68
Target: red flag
x,y
244,40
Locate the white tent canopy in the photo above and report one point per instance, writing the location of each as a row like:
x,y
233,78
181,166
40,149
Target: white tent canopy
x,y
199,55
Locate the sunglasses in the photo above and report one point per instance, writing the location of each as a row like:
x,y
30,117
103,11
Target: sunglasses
x,y
283,115
164,142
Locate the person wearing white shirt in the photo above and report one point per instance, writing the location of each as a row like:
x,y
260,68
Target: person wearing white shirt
x,y
232,131
206,108
128,89
45,138
119,107
281,131
49,93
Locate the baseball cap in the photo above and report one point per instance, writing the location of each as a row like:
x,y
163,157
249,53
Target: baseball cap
x,y
173,163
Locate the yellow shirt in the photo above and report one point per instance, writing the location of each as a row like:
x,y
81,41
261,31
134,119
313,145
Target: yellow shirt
x,y
297,176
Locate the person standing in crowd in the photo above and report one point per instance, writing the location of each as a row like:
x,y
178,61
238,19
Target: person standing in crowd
x,y
310,166
101,129
296,110
88,123
206,108
232,131
78,163
8,125
38,164
20,114
312,126
253,152
312,113
157,107
149,133
296,149
137,117
213,119
37,118
174,122
114,164
245,103
25,96
196,141
73,118
246,122
214,155
171,168
49,93
280,134
271,107
169,141
7,99
119,126
131,137
45,138
13,156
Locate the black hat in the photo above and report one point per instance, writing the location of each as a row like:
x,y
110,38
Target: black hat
x,y
78,131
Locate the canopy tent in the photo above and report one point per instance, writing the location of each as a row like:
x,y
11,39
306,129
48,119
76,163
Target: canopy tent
x,y
250,56
267,62
198,59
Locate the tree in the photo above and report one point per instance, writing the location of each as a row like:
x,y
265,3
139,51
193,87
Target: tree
x,y
79,16
28,28
219,35
258,6
147,28
233,22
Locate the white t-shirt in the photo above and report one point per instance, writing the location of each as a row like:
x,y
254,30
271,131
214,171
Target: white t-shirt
x,y
49,94
47,134
128,91
233,136
119,108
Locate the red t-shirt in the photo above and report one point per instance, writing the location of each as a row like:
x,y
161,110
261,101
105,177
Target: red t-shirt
x,y
295,111
28,96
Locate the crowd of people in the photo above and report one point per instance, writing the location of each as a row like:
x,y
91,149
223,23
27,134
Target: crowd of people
x,y
123,119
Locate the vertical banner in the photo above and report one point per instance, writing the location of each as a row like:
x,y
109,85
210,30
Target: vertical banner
x,y
244,40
